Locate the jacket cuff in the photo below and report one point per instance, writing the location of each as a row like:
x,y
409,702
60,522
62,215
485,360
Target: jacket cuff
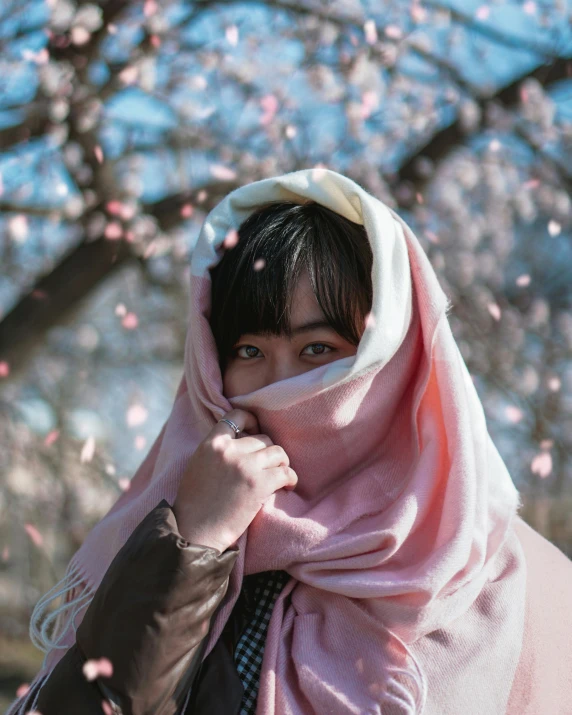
x,y
151,612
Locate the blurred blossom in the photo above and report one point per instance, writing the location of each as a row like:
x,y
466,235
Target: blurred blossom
x,y
88,16
62,14
469,115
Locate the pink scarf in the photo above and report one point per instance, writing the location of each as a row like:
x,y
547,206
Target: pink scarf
x,y
401,523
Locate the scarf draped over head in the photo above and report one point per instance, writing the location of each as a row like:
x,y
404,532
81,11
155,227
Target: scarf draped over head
x,y
403,507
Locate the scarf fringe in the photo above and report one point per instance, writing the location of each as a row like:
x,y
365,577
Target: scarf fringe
x,y
76,594
75,591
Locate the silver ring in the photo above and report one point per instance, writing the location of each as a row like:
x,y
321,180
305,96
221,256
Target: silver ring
x,y
231,423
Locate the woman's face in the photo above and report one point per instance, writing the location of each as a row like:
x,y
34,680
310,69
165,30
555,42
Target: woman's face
x,y
258,360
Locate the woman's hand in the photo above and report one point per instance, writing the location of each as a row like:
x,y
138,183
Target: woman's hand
x,y
227,481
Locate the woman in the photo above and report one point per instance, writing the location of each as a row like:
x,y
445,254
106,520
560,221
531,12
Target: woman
x,y
350,539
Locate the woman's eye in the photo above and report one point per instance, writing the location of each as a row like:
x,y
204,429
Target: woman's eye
x,y
322,349
249,351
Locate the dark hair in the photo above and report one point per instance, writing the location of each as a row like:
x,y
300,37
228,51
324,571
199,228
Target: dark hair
x,y
290,237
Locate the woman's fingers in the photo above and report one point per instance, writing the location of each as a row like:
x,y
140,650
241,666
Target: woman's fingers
x,y
253,443
245,421
282,478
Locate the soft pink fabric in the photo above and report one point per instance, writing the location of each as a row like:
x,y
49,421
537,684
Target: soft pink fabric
x,y
407,574
543,681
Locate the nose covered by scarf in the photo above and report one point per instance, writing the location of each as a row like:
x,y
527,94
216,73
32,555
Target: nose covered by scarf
x,y
403,506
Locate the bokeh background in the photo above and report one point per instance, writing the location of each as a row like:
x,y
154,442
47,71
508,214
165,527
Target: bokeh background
x,y
122,123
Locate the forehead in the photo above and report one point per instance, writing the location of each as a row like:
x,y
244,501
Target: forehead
x,y
303,304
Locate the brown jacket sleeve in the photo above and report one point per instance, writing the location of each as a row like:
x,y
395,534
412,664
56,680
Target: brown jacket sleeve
x,y
149,617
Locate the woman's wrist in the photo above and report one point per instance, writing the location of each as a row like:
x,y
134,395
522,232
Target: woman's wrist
x,y
194,534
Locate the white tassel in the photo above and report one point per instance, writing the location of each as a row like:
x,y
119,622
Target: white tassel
x,y
41,620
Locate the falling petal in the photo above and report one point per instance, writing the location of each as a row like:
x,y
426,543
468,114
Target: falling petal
x,y
186,210
113,231
418,13
232,35
318,172
269,104
120,309
554,228
222,173
129,75
90,669
124,484
370,32
259,264
18,228
494,310
523,280
140,442
51,437
105,668
547,444
80,35
130,321
4,369
22,690
554,384
106,707
393,32
98,154
88,450
231,239
370,320
529,7
34,534
113,207
514,414
494,145
149,8
483,12
542,465
136,415
290,131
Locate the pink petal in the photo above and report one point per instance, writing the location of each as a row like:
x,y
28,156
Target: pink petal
x,y
231,239
88,450
542,465
223,173
514,414
22,689
130,321
136,415
494,310
34,534
370,31
232,35
51,437
554,384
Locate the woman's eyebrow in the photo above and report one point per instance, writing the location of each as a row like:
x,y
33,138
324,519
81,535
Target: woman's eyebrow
x,y
314,325
305,328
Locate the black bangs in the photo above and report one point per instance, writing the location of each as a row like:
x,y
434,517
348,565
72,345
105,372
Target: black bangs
x,y
253,282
